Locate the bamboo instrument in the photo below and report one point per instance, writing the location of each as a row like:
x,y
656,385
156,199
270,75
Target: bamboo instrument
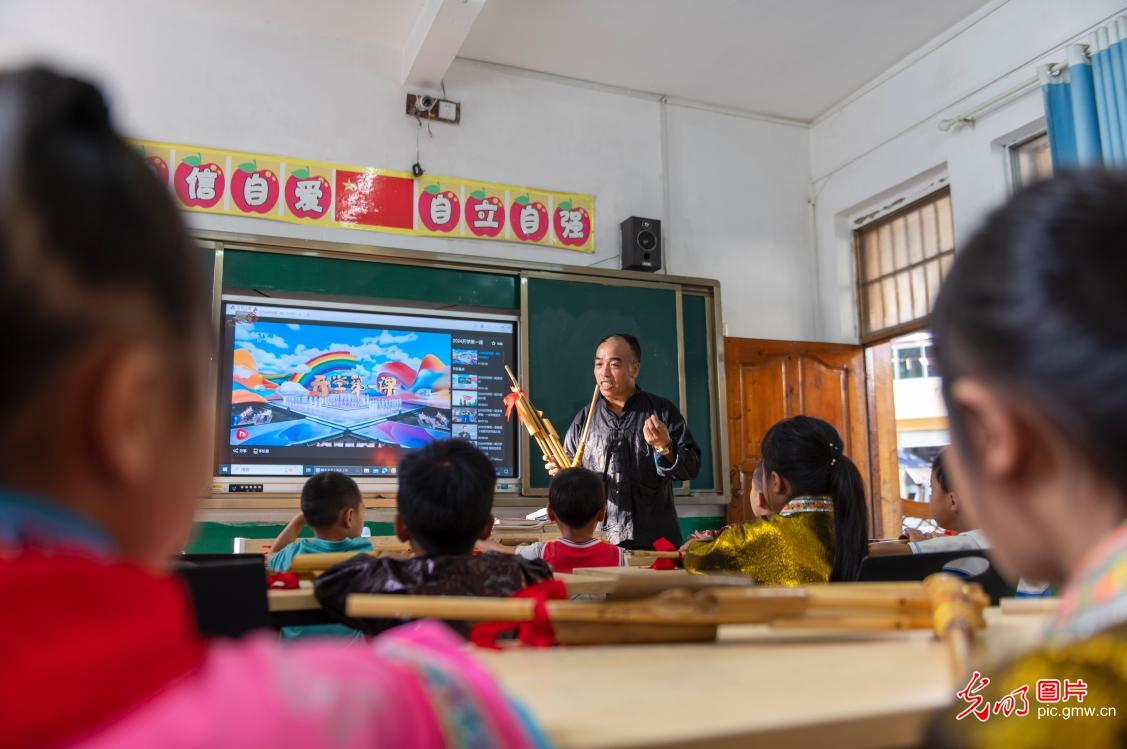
x,y
578,459
538,426
943,603
542,430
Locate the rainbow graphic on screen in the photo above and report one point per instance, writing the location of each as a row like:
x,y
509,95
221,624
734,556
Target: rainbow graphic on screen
x,y
334,361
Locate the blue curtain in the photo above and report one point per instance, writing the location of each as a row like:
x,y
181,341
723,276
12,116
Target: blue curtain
x,y
1086,101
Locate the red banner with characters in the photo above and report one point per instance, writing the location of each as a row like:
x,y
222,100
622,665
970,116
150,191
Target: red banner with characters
x,y
234,183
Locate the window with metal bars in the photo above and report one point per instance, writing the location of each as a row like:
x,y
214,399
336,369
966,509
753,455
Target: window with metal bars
x,y
902,258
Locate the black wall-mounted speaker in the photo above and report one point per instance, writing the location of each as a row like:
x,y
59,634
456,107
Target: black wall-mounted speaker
x,y
641,244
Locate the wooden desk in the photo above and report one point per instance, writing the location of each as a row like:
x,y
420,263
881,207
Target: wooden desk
x,y
296,599
754,685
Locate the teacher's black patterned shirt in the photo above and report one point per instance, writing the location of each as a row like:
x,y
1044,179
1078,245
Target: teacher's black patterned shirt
x,y
639,482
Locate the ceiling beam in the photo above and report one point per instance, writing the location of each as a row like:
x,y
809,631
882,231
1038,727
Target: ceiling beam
x,y
434,42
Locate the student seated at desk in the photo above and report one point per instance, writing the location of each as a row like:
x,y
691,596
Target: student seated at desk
x,y
949,512
444,505
577,502
331,504
1031,341
102,456
817,527
757,500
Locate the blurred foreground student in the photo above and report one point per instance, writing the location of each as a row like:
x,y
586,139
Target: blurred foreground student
x,y
1031,338
102,456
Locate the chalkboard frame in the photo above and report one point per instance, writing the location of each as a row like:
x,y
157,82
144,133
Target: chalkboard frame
x,y
219,241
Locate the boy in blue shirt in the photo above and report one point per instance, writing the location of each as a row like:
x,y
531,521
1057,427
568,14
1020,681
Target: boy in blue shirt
x,y
331,505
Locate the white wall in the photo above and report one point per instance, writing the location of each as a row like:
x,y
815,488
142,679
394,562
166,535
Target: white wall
x,y
178,73
887,134
738,204
195,77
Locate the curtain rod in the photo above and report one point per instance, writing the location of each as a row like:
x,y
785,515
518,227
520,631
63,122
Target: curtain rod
x,y
992,103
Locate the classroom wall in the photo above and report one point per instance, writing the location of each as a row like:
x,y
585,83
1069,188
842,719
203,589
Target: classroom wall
x,y
884,140
219,538
739,213
187,72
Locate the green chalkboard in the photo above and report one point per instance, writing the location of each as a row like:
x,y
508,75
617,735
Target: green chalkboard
x,y
288,272
567,319
698,410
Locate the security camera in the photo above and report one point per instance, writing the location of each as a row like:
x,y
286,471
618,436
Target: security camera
x,y
425,103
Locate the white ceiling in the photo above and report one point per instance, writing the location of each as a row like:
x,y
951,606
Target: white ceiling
x,y
384,23
788,58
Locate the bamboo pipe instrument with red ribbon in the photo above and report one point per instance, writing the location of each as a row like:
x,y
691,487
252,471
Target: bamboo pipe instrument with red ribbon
x,y
943,603
541,428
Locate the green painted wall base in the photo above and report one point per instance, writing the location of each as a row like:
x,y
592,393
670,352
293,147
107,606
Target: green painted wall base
x,y
219,538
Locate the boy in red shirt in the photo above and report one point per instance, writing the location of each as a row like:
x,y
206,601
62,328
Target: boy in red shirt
x,y
577,502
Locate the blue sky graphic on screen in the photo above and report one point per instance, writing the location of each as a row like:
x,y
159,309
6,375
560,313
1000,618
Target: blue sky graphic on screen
x,y
296,384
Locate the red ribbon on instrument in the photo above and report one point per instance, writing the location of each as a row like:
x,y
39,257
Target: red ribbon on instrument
x,y
538,632
663,544
282,581
510,402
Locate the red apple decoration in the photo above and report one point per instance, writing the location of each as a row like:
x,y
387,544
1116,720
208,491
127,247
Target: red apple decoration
x,y
485,216
156,163
573,225
529,220
254,190
438,210
307,197
197,184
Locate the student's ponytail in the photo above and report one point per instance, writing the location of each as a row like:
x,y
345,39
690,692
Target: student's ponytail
x,y
851,521
807,452
90,241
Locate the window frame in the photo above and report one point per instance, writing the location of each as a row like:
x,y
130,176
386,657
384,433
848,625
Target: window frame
x,y
1012,157
861,285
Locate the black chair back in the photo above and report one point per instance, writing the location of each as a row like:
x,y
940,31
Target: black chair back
x,y
971,564
228,592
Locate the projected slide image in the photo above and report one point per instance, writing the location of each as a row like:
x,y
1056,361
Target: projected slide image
x,y
465,382
465,397
465,415
465,357
294,384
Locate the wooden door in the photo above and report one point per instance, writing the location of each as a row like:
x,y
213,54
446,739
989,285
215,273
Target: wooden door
x,y
772,380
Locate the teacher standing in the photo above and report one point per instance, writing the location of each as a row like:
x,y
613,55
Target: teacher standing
x,y
639,443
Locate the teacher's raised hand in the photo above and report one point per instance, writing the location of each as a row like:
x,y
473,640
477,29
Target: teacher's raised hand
x,y
656,434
